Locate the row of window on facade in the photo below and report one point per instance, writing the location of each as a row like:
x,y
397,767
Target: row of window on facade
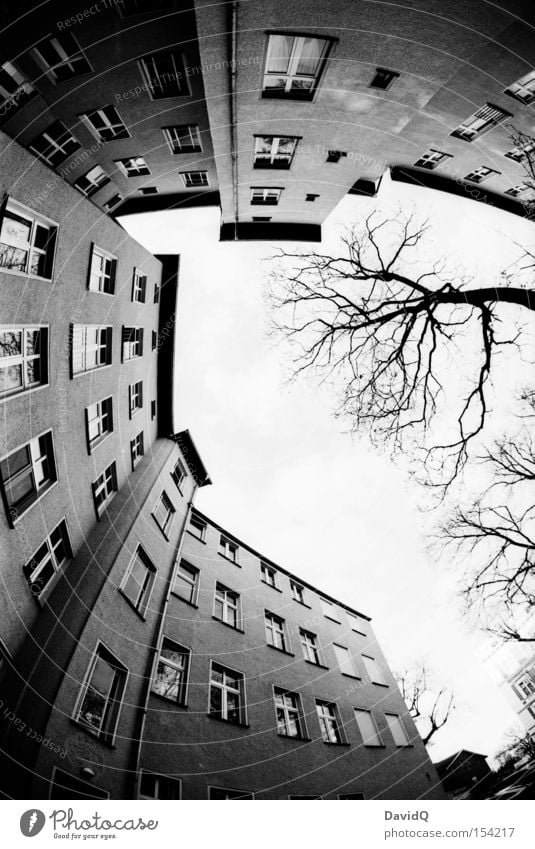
x,y
99,701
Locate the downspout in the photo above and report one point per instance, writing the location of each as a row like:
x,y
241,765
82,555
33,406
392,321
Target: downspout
x,y
234,113
156,646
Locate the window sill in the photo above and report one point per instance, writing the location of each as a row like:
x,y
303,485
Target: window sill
x,y
302,603
282,651
374,745
342,743
164,534
234,562
317,665
94,734
14,516
270,586
195,536
92,446
362,634
380,684
76,374
22,392
185,600
332,619
100,292
133,413
294,739
349,675
181,705
228,625
228,721
26,274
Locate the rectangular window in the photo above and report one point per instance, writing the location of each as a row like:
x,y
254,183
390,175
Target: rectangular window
x,y
227,606
165,74
331,731
345,661
309,643
66,786
132,339
225,793
357,623
368,728
27,241
27,473
154,786
289,713
93,180
228,548
171,677
525,685
397,729
152,410
194,179
335,155
517,190
480,122
373,669
526,149
156,298
524,88
55,144
15,91
298,592
62,58
275,631
154,344
99,422
102,271
269,575
137,449
135,397
265,196
139,287
480,174
104,488
383,78
148,190
186,583
294,65
90,347
47,561
227,695
274,151
138,581
183,139
100,698
197,527
133,166
23,359
431,159
164,513
113,201
329,610
105,124
179,474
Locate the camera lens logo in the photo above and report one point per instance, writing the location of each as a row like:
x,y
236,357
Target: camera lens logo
x,y
31,822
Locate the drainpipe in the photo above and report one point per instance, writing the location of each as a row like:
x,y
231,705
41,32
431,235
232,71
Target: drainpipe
x,y
234,113
157,643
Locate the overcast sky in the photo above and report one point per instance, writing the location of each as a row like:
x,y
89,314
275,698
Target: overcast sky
x,y
289,481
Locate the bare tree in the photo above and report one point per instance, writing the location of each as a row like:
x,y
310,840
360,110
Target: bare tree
x,y
524,152
429,707
496,537
518,746
392,325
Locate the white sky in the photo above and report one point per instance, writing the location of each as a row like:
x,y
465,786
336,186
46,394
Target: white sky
x,y
289,481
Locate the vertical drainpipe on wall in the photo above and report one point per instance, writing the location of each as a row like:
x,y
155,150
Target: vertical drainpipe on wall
x,y
234,114
157,644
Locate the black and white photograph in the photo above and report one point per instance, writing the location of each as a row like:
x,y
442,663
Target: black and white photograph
x,y
267,410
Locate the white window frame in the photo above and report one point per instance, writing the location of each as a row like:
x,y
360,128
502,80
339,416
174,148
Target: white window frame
x,y
329,722
159,777
38,465
291,74
132,348
478,175
293,711
518,153
347,665
397,729
63,143
523,89
269,160
190,576
133,166
96,177
189,179
23,359
173,138
100,794
481,121
179,474
298,592
516,191
229,549
135,398
269,575
82,347
526,685
97,412
105,484
199,533
329,610
355,623
232,794
180,74
14,211
139,287
183,668
102,271
374,670
377,739
225,689
51,558
276,631
170,512
229,603
65,59
141,602
265,195
113,123
137,448
109,734
432,158
22,86
310,647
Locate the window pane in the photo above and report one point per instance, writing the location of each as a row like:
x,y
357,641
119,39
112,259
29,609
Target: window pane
x,y
310,56
279,54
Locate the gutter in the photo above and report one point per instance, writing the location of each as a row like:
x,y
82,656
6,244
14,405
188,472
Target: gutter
x,y
234,113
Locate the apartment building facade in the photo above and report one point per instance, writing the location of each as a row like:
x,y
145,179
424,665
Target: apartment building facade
x,y
267,688
512,666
